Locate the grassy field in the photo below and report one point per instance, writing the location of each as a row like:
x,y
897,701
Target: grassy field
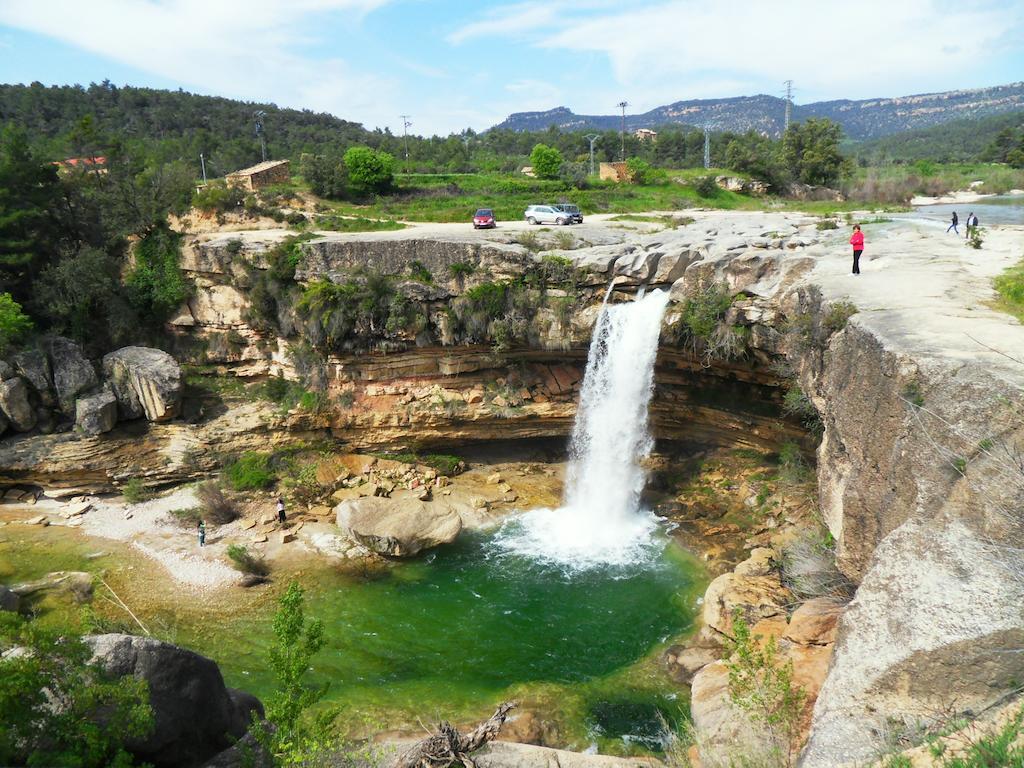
x,y
454,197
1010,287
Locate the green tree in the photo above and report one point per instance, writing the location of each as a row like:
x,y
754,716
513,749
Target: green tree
x,y
546,161
761,685
156,285
14,323
369,171
326,175
759,157
290,733
29,193
811,152
58,709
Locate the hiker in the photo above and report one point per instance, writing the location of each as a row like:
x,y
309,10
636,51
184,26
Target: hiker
x,y
857,241
956,220
202,533
974,223
281,517
967,231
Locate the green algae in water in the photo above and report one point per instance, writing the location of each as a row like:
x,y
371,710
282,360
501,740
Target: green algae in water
x,y
455,632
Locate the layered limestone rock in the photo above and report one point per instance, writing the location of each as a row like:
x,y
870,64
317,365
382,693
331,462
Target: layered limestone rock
x,y
147,382
96,413
14,404
73,374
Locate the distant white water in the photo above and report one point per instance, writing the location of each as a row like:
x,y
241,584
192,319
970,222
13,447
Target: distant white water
x,y
600,521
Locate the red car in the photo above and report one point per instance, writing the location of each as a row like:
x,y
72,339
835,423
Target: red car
x,y
484,219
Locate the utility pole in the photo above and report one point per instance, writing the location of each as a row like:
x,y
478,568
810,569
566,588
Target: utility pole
x,y
202,162
405,135
592,137
623,105
707,147
258,117
789,103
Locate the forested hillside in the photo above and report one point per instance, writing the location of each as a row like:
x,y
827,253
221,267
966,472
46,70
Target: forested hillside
x,y
966,140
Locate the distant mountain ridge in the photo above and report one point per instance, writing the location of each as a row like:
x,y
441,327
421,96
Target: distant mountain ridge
x,y
861,119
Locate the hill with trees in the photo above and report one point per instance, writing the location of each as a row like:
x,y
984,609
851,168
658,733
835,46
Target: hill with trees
x,y
964,140
863,119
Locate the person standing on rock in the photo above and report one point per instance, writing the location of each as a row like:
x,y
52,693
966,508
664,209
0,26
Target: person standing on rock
x,y
955,221
281,516
857,241
970,217
202,533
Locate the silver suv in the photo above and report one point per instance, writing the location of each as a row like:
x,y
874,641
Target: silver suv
x,y
540,214
575,217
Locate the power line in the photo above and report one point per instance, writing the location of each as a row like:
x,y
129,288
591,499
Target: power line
x,y
623,105
707,147
592,137
258,116
405,135
789,103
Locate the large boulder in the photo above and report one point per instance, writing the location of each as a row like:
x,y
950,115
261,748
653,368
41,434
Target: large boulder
x,y
147,382
73,374
195,714
34,365
15,405
96,413
398,527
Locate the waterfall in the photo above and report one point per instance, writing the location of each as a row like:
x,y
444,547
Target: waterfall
x,y
600,520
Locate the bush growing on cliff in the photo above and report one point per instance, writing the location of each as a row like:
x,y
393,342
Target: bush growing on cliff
x,y
58,709
702,327
250,472
156,285
761,684
14,323
246,561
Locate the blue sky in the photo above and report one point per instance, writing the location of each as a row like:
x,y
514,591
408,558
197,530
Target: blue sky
x,y
453,65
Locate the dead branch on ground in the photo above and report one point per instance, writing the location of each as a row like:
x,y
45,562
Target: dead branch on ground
x,y
448,747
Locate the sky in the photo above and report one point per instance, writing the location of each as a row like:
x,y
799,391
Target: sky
x,y
456,65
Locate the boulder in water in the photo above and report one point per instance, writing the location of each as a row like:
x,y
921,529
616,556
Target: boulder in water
x,y
398,528
146,381
196,715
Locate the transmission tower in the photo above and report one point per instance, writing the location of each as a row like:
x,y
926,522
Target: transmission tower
x,y
707,147
592,137
258,118
789,103
623,105
405,136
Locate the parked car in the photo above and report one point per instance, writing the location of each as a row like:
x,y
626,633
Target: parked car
x,y
575,217
484,219
541,214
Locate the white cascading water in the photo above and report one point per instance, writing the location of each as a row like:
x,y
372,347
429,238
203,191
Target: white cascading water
x,y
600,521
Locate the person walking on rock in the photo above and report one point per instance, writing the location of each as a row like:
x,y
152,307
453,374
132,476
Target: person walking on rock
x,y
202,533
857,241
955,221
281,517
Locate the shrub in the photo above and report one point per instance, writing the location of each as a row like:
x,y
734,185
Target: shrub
x,y
1010,287
795,402
565,241
135,491
974,238
793,468
706,186
703,328
56,708
246,561
809,569
824,224
761,685
218,197
461,268
14,323
529,241
838,314
219,509
418,271
156,285
250,472
188,516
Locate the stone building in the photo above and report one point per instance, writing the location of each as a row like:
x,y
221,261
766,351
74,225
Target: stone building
x,y
646,134
260,175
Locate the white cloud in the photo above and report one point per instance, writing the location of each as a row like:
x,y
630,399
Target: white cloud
x,y
682,49
248,50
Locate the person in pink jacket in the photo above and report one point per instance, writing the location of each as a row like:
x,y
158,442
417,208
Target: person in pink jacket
x,y
857,241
